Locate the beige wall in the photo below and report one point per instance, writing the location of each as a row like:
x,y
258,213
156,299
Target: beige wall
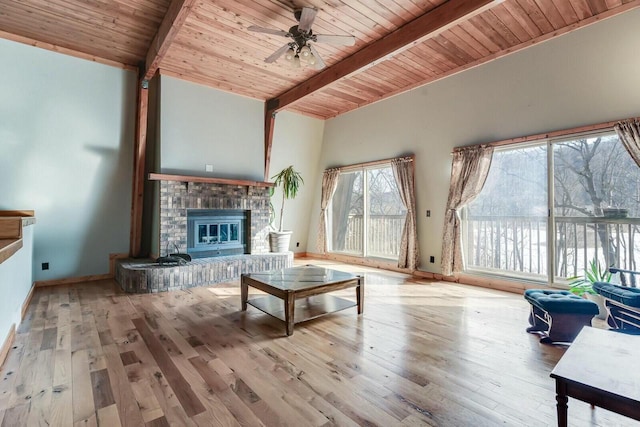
x,y
586,77
297,141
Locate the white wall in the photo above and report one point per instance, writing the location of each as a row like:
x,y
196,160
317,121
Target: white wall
x,y
200,125
16,279
66,147
297,141
586,77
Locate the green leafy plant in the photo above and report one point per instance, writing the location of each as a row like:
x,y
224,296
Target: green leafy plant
x,y
290,181
593,273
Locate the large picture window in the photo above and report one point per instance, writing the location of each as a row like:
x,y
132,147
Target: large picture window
x,y
549,209
366,214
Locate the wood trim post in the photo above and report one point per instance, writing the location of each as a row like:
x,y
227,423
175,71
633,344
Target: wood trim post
x,y
140,152
269,124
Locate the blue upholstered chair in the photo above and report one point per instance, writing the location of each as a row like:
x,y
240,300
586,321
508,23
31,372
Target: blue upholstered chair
x,y
558,316
622,300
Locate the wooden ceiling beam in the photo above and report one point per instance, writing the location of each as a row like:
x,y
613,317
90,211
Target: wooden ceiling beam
x,y
433,22
169,27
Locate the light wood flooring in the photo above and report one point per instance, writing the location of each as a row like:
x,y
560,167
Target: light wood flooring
x,y
423,353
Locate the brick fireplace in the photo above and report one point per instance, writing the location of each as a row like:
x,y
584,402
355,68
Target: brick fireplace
x,y
177,198
183,203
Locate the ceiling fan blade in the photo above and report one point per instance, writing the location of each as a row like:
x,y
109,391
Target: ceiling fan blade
x,y
335,39
307,17
277,54
319,65
268,31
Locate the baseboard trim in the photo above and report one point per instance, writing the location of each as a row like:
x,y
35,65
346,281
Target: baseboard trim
x,y
72,280
112,262
90,278
298,255
6,346
366,262
27,301
459,278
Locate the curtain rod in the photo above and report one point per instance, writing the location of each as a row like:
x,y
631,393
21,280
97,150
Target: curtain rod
x,y
374,162
548,135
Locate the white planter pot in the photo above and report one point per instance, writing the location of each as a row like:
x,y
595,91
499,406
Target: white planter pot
x,y
279,240
598,299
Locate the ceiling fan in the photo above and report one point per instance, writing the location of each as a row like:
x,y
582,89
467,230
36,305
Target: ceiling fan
x,y
301,49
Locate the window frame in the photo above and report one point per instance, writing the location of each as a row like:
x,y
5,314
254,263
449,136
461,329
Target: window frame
x,y
362,168
550,143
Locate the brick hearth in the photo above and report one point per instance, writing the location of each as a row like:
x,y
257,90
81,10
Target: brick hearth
x,y
138,276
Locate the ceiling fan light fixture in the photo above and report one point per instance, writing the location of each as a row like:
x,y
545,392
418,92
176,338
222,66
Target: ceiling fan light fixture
x,y
305,52
311,60
290,55
301,50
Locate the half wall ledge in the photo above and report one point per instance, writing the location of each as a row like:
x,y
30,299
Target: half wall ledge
x,y
147,276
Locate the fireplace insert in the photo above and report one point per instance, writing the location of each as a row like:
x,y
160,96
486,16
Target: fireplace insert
x,y
217,232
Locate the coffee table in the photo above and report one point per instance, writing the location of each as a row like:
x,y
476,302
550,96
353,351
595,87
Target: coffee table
x,y
600,368
308,282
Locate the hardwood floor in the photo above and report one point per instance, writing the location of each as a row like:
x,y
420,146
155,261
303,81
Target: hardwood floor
x,y
423,353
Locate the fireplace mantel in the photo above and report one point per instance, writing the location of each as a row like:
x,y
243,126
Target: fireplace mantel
x,y
207,180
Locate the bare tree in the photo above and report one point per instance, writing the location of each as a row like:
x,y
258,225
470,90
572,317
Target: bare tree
x,y
592,175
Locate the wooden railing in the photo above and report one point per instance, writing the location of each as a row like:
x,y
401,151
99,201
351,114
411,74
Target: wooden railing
x,y
385,232
518,245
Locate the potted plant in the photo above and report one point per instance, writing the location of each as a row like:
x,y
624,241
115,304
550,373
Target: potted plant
x,y
583,286
290,181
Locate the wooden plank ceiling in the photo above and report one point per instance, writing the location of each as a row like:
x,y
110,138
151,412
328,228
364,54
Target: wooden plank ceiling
x,y
214,47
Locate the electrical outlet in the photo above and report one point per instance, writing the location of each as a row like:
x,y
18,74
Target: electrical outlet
x,y
208,168
428,213
297,244
432,259
45,265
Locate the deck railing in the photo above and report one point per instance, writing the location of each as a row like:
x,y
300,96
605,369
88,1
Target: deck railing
x,y
518,245
385,232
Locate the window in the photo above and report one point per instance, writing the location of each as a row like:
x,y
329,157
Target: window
x,y
506,225
596,204
366,214
548,209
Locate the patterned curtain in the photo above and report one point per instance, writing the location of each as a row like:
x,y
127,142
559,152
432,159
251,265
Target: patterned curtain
x,y
469,171
629,133
403,171
329,184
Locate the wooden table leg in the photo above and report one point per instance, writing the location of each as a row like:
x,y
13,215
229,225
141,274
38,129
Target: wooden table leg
x,y
244,293
561,398
360,294
289,310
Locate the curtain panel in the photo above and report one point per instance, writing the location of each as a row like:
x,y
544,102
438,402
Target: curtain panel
x,y
469,171
403,171
629,133
329,185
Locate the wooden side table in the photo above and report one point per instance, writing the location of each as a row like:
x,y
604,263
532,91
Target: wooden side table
x,y
600,368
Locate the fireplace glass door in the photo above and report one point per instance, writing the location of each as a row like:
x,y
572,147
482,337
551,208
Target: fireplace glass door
x,y
218,233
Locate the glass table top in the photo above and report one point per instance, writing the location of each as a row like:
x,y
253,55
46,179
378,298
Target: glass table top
x,y
303,277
